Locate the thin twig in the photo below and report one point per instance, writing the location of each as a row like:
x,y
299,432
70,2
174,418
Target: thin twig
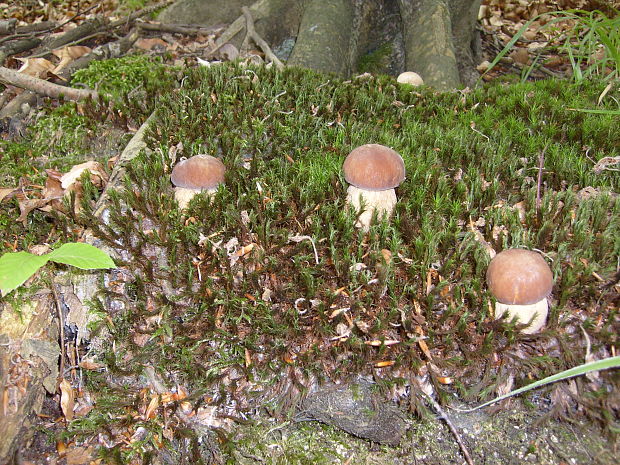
x,y
541,164
61,325
259,40
236,26
451,427
140,13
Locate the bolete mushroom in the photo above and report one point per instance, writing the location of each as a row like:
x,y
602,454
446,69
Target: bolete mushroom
x,y
409,77
200,173
373,171
520,280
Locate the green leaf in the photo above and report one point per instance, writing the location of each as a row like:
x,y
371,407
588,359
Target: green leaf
x,y
80,255
17,267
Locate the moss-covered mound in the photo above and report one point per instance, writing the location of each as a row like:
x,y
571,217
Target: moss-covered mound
x,y
259,293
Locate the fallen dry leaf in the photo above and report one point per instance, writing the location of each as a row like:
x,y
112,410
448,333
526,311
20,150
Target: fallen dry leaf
x,y
36,67
80,455
150,44
8,192
98,175
152,408
27,205
67,399
69,54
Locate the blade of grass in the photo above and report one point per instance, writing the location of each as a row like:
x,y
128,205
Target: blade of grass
x,y
605,364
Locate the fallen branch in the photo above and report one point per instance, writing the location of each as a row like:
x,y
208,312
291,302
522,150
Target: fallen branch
x,y
259,10
87,28
7,26
18,46
42,87
258,39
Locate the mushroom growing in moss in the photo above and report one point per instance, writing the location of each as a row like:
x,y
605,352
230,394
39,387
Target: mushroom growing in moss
x,y
200,173
373,171
409,77
520,280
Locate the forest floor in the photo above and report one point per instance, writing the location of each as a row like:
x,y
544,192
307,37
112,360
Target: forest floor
x,y
565,424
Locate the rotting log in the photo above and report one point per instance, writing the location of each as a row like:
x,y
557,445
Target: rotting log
x,y
28,366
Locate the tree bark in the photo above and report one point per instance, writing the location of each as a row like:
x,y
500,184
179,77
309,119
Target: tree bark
x,y
429,51
332,35
323,42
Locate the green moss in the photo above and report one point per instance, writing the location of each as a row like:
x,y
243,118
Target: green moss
x,y
120,76
202,311
376,61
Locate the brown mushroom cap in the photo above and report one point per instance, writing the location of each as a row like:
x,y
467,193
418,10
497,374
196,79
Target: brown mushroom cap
x,y
198,172
519,277
374,167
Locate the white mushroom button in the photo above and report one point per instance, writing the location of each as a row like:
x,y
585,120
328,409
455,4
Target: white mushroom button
x,y
373,171
409,77
520,280
201,173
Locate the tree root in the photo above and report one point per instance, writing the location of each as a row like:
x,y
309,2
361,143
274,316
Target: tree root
x,y
251,32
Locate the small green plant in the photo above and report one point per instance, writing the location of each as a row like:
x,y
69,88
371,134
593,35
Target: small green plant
x,y
592,46
17,267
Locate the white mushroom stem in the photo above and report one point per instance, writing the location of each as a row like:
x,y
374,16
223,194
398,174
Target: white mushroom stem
x,y
536,312
184,195
382,202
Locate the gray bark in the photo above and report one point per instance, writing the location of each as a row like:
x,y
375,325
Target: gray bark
x,y
323,42
429,50
432,37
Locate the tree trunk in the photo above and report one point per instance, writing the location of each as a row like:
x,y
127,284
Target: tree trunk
x,y
429,50
323,42
436,38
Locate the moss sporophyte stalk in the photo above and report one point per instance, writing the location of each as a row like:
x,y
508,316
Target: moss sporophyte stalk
x,y
219,299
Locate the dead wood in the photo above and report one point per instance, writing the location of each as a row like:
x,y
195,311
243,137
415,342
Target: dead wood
x,y
43,26
258,9
258,39
18,46
49,89
188,30
140,13
7,26
28,366
28,99
87,28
